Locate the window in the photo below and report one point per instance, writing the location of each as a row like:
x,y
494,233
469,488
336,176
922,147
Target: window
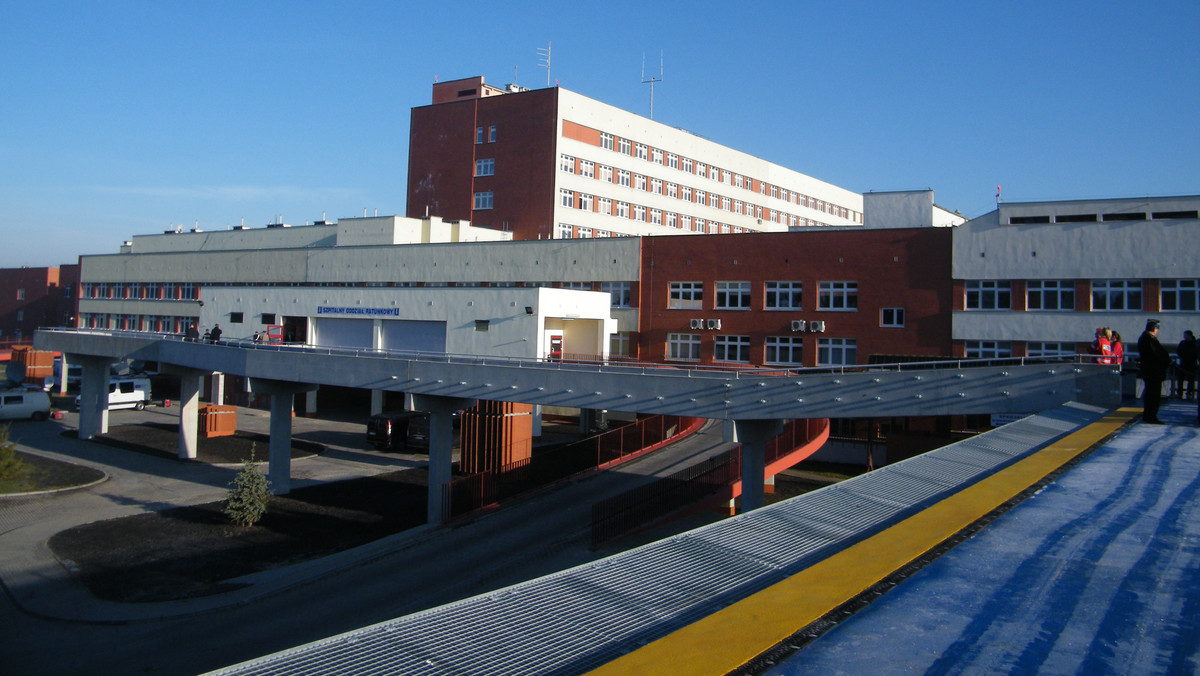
x,y
640,151
639,182
988,349
671,220
842,296
485,167
478,135
702,169
1179,295
683,346
784,350
656,186
656,216
566,231
492,134
605,205
235,317
21,294
1044,349
837,351
686,195
656,156
989,295
620,292
578,286
1050,294
700,195
268,318
1116,294
622,209
566,198
483,200
733,296
20,315
618,344
587,169
687,165
673,161
784,295
672,190
565,163
686,296
624,146
732,348
623,177
606,141
891,316
187,291
639,212
585,202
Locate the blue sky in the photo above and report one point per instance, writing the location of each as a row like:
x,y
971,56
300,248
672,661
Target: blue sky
x,y
124,118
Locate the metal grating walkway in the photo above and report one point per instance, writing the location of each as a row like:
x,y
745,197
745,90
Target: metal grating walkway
x,y
581,618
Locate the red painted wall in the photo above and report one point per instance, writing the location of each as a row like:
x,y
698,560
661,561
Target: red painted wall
x,y
908,268
442,154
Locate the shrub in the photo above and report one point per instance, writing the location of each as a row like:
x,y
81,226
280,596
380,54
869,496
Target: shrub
x,y
249,493
10,464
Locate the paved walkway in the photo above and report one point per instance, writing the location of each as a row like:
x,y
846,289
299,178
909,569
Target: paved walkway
x,y
1098,573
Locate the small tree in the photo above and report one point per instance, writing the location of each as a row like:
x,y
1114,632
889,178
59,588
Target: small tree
x,y
249,493
10,464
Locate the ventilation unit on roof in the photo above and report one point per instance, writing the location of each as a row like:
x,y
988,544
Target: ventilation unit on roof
x,y
697,323
816,326
714,323
798,324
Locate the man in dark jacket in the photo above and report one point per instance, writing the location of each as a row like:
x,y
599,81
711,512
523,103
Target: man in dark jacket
x,y
1154,362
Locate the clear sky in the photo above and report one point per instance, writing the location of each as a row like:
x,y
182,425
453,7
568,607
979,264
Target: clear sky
x,y
123,118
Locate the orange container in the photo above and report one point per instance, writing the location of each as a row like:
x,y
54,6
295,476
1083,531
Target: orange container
x,y
217,421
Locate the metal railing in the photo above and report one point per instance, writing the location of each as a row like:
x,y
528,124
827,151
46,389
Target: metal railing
x,y
473,492
635,509
618,365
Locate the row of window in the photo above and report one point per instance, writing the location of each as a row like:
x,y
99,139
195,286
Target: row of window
x,y
1175,295
155,323
777,295
141,290
657,186
688,166
777,350
621,292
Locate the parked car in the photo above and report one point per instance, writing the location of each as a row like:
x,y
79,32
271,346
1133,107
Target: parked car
x,y
399,431
133,392
24,403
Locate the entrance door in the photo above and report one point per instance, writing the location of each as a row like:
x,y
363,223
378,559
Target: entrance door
x,y
295,329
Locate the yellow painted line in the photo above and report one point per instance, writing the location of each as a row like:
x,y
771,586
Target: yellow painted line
x,y
733,636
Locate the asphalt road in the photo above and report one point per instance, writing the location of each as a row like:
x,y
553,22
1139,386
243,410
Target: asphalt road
x,y
542,534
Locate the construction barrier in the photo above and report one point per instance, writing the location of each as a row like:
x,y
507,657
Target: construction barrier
x,y
217,421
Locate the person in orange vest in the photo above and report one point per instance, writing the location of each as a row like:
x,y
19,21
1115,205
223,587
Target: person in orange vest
x,y
1102,346
1118,348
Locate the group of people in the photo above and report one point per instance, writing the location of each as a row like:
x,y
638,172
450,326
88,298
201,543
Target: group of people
x,y
1155,364
1108,346
212,335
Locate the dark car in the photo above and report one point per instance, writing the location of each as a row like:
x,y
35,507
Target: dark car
x,y
399,431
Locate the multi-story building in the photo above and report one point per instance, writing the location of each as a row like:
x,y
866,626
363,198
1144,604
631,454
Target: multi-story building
x,y
1038,278
36,297
554,164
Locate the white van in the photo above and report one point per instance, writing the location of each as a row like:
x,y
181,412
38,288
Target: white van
x,y
24,404
133,392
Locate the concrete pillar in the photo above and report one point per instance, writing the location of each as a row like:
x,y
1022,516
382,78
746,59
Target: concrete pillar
x,y
189,408
769,485
279,469
753,436
376,402
441,442
218,389
62,374
93,396
310,404
537,420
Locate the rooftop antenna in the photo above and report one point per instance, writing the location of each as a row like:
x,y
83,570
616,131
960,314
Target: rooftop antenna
x,y
652,80
544,55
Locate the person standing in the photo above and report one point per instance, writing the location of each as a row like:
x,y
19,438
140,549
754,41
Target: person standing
x,y
1186,351
1154,362
215,334
1102,347
1118,349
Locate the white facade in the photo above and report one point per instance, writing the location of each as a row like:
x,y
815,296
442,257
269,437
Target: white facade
x,y
741,193
1123,260
508,322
